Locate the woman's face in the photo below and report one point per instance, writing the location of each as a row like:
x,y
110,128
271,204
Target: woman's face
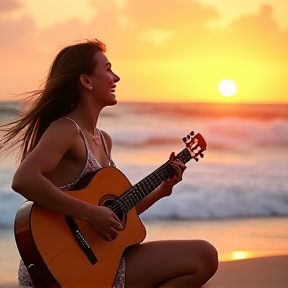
x,y
103,81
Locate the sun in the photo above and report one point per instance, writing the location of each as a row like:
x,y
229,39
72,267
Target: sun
x,y
227,87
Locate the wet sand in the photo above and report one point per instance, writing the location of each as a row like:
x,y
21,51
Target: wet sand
x,y
263,272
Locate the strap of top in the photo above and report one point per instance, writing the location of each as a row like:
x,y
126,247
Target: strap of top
x,y
104,143
85,140
103,140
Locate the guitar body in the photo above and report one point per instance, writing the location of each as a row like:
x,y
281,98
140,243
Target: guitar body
x,y
50,251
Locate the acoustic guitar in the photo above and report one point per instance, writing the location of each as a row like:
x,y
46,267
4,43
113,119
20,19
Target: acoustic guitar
x,y
60,251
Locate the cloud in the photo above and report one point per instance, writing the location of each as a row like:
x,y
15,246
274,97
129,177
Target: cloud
x,y
259,36
157,36
7,6
16,36
190,15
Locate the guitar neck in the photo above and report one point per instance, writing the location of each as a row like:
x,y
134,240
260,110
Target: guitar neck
x,y
143,188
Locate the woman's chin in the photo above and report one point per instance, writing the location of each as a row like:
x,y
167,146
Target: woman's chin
x,y
113,102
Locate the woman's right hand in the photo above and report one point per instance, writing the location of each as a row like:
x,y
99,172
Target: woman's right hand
x,y
104,221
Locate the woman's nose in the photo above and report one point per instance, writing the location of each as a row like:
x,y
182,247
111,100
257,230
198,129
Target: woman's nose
x,y
116,78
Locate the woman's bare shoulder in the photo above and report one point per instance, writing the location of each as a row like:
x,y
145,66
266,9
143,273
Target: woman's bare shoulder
x,y
65,124
59,138
62,130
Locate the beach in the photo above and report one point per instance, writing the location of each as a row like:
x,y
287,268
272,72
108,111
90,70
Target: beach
x,y
257,262
262,272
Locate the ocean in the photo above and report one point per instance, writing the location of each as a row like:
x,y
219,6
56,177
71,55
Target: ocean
x,y
244,172
236,197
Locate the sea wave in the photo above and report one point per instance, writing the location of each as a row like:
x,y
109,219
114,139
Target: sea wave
x,y
161,124
212,191
9,109
9,200
263,112
221,133
227,203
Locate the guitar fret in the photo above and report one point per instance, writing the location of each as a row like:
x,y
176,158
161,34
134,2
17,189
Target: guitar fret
x,y
142,193
143,182
126,207
147,185
130,201
122,204
136,194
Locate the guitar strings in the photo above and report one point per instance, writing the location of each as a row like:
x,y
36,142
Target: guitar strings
x,y
117,206
160,172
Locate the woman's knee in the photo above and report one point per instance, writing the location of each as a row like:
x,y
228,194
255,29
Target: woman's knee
x,y
208,262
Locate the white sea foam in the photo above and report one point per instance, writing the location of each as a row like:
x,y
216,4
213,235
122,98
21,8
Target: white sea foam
x,y
228,133
211,191
10,201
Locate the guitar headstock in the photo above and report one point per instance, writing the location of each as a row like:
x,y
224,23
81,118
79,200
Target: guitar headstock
x,y
195,144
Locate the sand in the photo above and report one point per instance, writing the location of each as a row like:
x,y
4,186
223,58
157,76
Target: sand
x,y
264,272
257,271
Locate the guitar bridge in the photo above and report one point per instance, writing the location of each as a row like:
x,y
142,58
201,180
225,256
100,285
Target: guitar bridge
x,y
81,240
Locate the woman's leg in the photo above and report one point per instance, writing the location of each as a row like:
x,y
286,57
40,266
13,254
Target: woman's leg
x,y
173,263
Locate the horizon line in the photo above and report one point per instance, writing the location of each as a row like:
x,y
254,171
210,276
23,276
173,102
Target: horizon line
x,y
177,103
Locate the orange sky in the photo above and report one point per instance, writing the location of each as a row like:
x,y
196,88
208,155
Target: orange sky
x,y
163,50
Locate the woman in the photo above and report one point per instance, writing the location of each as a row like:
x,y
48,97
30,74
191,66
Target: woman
x,y
59,136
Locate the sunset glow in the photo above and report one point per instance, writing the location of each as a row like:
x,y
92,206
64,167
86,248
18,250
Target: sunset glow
x,y
172,51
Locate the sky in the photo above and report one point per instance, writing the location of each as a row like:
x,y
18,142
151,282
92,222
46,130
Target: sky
x,y
163,50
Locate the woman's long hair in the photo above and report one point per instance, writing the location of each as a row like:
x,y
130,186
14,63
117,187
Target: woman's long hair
x,y
59,95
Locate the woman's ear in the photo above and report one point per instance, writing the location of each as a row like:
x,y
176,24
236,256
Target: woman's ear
x,y
85,82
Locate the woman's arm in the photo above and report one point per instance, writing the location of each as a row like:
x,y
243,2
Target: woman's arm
x,y
30,181
157,194
165,189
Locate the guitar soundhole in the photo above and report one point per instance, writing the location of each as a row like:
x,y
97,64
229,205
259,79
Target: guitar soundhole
x,y
110,202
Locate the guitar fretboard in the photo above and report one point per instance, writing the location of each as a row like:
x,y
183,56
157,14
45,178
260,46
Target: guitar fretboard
x,y
147,185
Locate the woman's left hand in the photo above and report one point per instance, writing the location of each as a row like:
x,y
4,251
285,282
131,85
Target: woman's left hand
x,y
165,189
179,168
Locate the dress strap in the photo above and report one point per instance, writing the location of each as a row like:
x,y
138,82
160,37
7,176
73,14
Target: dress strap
x,y
104,143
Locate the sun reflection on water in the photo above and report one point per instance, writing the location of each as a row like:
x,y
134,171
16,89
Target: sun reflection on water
x,y
240,255
237,255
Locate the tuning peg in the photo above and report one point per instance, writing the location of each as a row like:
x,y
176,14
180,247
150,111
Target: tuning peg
x,y
196,159
192,133
201,155
184,139
188,137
